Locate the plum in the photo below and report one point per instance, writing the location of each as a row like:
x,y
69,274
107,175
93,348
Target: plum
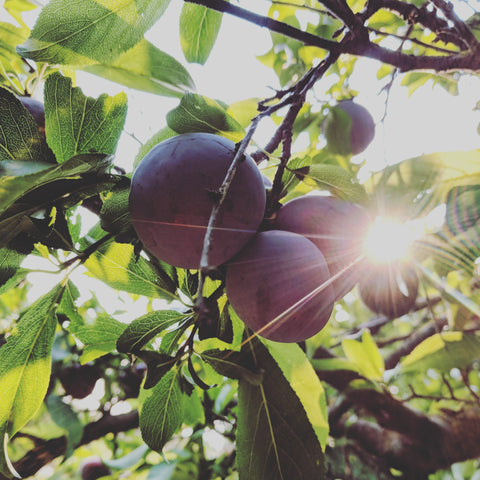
x,y
349,134
390,289
94,469
336,227
37,110
279,286
174,190
78,380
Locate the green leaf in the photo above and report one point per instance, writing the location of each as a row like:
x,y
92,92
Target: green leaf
x,y
162,412
16,7
244,111
421,183
130,459
116,265
158,365
145,67
275,438
365,355
10,261
98,338
81,32
443,351
147,327
64,416
415,80
197,113
19,179
463,208
11,65
115,213
338,181
304,381
25,365
232,364
199,27
448,292
20,138
78,124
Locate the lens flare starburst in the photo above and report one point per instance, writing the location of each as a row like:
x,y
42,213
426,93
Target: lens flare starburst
x,y
389,240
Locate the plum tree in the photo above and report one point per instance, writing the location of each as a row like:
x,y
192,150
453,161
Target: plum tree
x,y
349,128
94,469
279,286
174,190
335,226
78,380
37,110
390,288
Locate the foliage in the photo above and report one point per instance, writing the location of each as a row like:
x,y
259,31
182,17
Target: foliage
x,y
184,390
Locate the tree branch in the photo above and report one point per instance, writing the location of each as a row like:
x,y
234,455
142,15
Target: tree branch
x,y
47,450
358,43
266,22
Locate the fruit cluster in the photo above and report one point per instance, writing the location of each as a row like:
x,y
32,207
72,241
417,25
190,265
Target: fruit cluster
x,y
283,280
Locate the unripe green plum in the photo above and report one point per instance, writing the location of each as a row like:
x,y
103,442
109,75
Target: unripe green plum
x,y
337,227
349,128
37,110
174,190
390,288
279,286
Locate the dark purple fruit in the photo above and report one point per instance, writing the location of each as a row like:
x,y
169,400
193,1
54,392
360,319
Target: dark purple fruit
x,y
278,285
78,380
174,190
130,380
94,469
390,289
349,128
336,227
37,111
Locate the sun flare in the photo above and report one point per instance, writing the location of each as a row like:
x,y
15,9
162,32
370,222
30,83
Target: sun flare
x,y
389,240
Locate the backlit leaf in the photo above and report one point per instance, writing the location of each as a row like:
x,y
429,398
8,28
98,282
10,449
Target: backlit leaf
x,y
365,355
275,438
117,266
419,184
304,382
81,32
78,124
99,338
162,412
145,328
443,351
25,365
199,27
197,113
145,67
233,364
336,180
20,138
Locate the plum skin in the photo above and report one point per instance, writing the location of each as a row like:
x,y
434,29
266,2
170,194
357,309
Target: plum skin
x,y
337,227
79,380
173,193
360,133
36,110
279,272
380,290
94,469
